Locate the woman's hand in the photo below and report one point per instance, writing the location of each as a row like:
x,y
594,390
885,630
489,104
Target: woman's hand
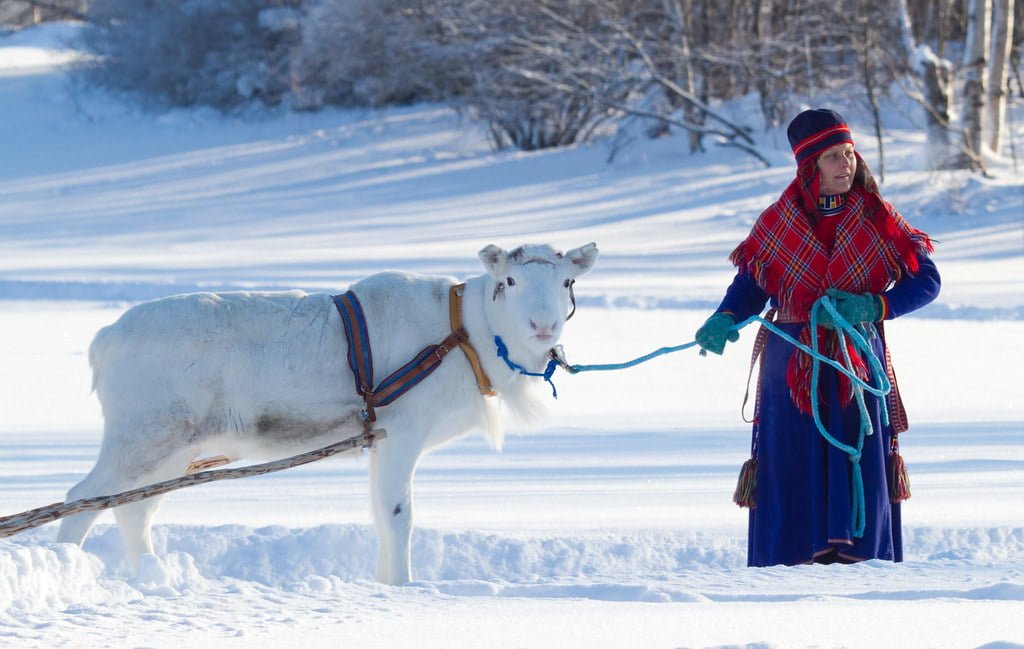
x,y
854,308
715,332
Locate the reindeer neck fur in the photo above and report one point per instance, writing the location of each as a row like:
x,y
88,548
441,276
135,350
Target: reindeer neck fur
x,y
517,392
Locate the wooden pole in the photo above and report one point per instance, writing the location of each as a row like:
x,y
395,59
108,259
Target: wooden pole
x,y
17,523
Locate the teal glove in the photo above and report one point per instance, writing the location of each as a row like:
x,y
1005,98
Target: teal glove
x,y
854,308
714,333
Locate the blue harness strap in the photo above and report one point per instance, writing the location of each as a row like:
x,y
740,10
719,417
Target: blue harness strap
x,y
360,357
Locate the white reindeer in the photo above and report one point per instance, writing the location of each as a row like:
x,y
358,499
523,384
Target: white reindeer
x,y
252,375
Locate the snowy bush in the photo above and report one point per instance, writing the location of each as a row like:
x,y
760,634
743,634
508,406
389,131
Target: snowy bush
x,y
375,52
528,63
218,53
544,73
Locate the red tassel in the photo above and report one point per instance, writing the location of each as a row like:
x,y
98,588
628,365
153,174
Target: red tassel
x,y
746,485
798,377
859,367
801,367
899,479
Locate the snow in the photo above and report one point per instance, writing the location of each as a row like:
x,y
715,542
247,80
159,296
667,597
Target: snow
x,y
608,525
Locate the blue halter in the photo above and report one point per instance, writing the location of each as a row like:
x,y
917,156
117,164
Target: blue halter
x,y
515,367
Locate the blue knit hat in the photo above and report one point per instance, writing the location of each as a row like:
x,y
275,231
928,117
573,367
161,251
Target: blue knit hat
x,y
813,131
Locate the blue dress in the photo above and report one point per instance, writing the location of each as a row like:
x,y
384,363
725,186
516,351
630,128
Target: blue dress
x,y
803,484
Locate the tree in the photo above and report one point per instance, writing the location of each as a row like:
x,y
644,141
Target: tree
x,y
19,13
544,73
979,25
983,76
999,77
936,76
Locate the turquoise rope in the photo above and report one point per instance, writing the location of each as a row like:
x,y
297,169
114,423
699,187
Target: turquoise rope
x,y
858,510
860,342
843,329
576,369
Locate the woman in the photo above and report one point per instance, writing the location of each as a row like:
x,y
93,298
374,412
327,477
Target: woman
x,y
829,233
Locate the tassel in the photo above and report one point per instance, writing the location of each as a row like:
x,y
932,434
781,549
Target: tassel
x,y
744,496
798,377
859,367
899,479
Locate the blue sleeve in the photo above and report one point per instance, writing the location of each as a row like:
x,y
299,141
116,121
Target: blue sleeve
x,y
743,298
913,291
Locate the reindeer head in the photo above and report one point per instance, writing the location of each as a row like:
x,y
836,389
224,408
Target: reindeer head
x,y
528,300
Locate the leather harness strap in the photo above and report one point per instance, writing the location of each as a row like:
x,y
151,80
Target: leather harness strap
x,y
360,356
483,382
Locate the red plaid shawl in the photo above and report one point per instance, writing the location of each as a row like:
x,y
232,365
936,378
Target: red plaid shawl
x,y
873,248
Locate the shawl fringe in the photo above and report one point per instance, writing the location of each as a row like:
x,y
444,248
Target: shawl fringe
x,y
788,262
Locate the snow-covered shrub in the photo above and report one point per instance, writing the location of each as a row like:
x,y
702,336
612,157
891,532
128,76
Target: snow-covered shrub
x,y
375,52
218,53
503,62
541,69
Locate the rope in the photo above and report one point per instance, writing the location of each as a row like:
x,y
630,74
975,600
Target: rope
x,y
841,324
15,523
516,367
843,329
858,508
576,369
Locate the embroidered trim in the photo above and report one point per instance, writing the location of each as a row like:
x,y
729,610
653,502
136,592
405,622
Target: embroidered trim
x,y
831,205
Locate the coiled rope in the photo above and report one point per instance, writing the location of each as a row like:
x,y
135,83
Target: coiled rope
x,y
858,335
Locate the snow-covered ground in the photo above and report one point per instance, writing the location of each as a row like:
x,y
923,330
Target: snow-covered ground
x,y
609,525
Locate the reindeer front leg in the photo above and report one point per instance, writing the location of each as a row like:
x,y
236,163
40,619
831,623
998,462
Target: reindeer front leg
x,y
391,471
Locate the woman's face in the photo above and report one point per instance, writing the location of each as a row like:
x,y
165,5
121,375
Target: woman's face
x,y
837,166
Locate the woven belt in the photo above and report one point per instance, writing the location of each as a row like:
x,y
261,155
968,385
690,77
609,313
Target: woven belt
x,y
788,317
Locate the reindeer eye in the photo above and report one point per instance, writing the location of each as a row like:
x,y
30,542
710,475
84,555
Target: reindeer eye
x,y
510,281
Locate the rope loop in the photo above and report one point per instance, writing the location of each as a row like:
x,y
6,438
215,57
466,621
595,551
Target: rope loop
x,y
877,384
548,372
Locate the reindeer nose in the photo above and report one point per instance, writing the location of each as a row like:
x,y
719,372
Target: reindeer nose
x,y
544,329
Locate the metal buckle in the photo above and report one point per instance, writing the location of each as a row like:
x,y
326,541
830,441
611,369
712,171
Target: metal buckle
x,y
557,354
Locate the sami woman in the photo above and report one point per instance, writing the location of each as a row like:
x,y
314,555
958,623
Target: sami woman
x,y
829,234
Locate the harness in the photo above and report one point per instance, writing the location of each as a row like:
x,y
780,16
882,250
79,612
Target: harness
x,y
360,356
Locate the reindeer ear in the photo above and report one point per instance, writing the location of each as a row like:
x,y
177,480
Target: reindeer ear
x,y
582,258
494,259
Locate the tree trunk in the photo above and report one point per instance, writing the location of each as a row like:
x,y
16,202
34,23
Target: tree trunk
x,y
679,12
979,18
936,74
769,106
864,52
692,112
998,86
